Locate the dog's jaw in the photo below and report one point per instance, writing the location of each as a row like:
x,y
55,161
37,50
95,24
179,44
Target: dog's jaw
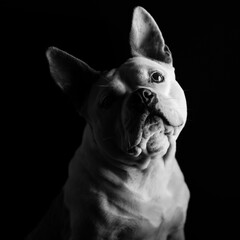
x,y
146,133
148,136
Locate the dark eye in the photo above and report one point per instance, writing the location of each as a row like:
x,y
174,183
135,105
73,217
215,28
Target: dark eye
x,y
107,101
157,77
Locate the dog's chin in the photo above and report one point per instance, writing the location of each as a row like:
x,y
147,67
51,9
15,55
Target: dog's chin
x,y
149,136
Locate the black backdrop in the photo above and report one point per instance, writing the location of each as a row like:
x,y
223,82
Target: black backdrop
x,y
41,130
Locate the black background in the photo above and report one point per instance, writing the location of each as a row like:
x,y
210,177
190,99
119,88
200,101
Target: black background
x,y
41,129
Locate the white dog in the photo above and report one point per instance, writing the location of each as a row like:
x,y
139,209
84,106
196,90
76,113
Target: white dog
x,y
124,181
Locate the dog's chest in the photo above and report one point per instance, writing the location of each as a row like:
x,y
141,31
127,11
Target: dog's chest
x,y
166,195
141,228
168,210
147,220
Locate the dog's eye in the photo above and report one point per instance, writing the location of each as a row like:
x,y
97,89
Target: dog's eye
x,y
107,101
157,77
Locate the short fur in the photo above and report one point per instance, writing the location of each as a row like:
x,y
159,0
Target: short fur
x,y
124,181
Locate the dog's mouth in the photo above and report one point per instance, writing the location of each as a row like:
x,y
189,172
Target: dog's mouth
x,y
147,134
147,128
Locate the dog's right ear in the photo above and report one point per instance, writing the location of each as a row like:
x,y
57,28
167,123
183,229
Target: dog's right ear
x,y
146,38
73,76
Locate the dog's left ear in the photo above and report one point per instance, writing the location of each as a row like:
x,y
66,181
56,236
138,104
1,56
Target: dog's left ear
x,y
146,38
71,74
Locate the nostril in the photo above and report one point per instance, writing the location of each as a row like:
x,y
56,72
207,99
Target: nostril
x,y
147,96
141,99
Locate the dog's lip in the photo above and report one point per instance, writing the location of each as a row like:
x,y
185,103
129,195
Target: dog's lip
x,y
168,120
159,113
154,117
152,120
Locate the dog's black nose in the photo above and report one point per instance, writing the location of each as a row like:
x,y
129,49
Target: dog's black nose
x,y
143,98
146,95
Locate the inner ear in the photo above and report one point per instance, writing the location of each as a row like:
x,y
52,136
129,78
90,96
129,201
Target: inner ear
x,y
74,76
146,38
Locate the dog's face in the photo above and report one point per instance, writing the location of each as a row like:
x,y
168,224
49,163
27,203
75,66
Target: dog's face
x,y
132,110
136,107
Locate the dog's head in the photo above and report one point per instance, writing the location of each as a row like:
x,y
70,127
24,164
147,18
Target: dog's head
x,y
135,109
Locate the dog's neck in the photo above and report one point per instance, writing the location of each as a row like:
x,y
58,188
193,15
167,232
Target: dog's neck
x,y
141,191
97,164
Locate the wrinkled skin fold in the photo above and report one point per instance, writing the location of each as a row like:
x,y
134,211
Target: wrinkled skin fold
x,y
124,181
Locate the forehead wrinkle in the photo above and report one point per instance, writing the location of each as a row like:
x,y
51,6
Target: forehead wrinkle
x,y
132,73
148,62
108,83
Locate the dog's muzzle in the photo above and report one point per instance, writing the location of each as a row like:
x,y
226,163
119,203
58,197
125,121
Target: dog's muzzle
x,y
147,123
143,100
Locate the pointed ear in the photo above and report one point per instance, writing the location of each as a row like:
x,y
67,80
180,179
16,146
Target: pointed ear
x,y
73,76
146,39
